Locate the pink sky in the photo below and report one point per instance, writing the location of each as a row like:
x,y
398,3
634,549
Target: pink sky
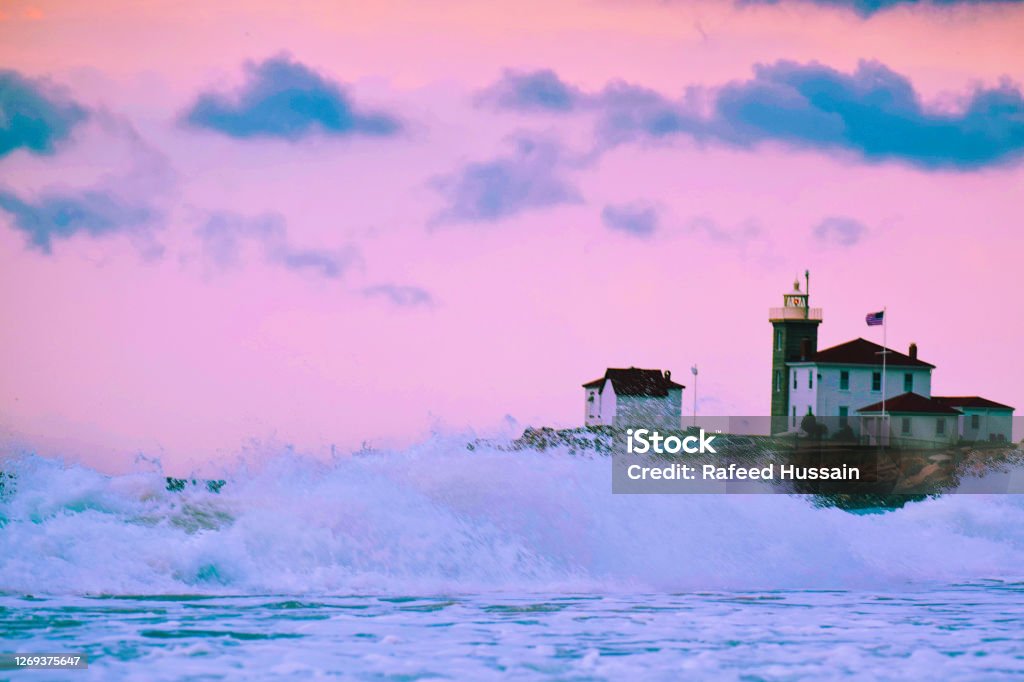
x,y
142,341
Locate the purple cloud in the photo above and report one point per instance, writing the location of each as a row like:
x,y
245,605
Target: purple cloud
x,y
487,191
285,99
839,231
224,235
639,220
62,214
33,116
401,296
873,112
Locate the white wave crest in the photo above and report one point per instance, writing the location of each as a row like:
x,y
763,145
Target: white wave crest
x,y
438,518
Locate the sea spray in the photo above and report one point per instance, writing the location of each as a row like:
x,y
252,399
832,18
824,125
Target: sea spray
x,y
439,518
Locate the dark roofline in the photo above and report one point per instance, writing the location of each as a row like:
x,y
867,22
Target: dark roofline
x,y
911,403
636,381
970,401
851,352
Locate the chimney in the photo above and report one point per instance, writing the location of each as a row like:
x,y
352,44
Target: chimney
x,y
805,349
913,351
668,375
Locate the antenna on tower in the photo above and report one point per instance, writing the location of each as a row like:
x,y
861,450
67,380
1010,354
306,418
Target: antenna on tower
x,y
807,289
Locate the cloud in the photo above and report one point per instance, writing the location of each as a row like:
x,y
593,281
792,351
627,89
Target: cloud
x,y
539,90
629,112
745,233
636,219
33,116
528,178
282,98
402,296
869,7
746,239
873,112
323,263
224,237
63,214
839,231
626,111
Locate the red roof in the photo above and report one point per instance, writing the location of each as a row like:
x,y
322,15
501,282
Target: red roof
x,y
636,381
864,352
911,403
970,401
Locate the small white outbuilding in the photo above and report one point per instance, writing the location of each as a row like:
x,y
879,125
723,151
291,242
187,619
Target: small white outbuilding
x,y
634,397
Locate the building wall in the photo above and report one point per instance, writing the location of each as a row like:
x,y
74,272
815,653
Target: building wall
x,y
802,395
609,409
826,396
675,399
664,413
609,404
591,407
859,394
787,338
991,422
923,430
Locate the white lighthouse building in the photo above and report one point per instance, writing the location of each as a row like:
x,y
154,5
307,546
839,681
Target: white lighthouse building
x,y
846,382
839,380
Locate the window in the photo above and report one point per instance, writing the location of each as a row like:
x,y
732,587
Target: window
x,y
778,380
810,378
905,426
908,382
794,415
940,427
975,421
778,339
876,381
844,416
794,378
844,381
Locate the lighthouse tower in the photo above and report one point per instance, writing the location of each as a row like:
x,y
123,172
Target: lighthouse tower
x,y
794,338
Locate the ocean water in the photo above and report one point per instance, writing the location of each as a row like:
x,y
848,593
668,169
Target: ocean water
x,y
440,563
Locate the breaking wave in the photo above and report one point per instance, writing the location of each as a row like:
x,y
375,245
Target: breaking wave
x,y
440,519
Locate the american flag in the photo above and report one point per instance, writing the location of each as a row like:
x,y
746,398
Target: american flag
x,y
874,319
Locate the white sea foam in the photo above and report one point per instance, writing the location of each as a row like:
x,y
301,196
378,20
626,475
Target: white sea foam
x,y
439,518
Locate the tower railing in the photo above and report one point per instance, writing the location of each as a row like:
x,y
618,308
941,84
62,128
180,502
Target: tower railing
x,y
794,314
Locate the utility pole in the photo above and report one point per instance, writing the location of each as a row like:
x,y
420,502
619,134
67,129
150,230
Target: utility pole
x,y
694,370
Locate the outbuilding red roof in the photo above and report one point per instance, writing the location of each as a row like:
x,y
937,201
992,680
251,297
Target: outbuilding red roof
x,y
970,401
911,403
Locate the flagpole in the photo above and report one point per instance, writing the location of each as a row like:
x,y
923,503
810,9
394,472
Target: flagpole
x,y
885,352
694,370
